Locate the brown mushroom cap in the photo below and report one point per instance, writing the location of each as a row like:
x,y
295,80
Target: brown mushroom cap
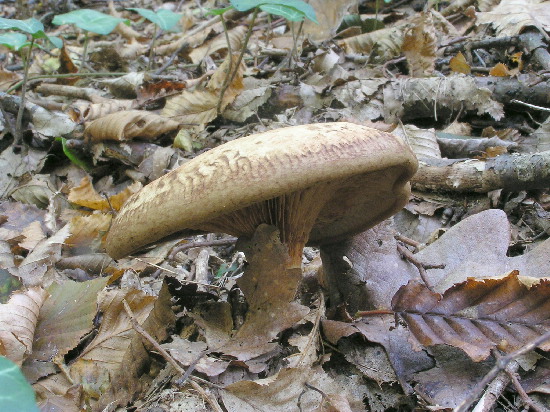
x,y
317,183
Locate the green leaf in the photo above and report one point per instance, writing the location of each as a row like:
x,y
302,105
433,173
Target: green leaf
x,y
301,6
31,26
218,12
71,156
14,41
89,20
15,392
56,41
288,13
163,18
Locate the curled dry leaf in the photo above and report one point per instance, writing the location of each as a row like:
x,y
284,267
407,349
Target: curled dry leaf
x,y
18,319
92,111
128,125
86,195
477,315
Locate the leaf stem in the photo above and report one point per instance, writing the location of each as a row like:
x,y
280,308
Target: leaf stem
x,y
19,121
239,60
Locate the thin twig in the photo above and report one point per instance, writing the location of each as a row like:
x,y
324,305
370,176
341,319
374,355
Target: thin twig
x,y
408,255
408,241
190,245
208,285
240,58
19,120
230,68
137,327
524,397
499,366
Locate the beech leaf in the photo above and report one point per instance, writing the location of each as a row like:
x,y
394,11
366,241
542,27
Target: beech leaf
x,y
477,315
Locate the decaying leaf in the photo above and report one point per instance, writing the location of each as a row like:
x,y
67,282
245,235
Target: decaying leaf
x,y
477,315
236,36
65,317
85,195
33,269
420,46
510,17
127,125
198,107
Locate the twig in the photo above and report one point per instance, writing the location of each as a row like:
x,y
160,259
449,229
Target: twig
x,y
408,241
19,120
524,397
208,285
190,245
532,106
499,366
408,255
495,389
239,59
137,327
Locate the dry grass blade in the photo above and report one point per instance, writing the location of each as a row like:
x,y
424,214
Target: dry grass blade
x,y
477,315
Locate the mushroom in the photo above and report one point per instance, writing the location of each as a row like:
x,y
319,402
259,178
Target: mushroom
x,y
316,183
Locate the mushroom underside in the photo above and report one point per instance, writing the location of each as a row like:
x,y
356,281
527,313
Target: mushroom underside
x,y
322,213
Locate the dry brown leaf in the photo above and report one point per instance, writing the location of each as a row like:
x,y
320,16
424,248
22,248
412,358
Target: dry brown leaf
x,y
120,350
18,319
127,125
385,42
236,36
198,107
458,64
92,111
37,267
510,17
477,315
33,234
85,195
8,79
420,46
87,231
329,15
109,346
65,317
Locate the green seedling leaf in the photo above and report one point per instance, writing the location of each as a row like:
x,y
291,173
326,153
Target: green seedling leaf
x,y
218,12
15,394
71,156
165,19
31,26
14,41
90,20
56,41
288,13
306,9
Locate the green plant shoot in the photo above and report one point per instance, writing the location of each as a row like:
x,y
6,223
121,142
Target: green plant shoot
x,y
163,19
89,21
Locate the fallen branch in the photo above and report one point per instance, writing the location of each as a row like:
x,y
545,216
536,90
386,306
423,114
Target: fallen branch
x,y
509,172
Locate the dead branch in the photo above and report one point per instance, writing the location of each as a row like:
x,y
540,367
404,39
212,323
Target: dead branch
x,y
508,172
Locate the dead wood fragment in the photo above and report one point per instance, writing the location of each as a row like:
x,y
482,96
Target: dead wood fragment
x,y
508,172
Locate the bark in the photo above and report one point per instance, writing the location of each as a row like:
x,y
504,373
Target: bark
x,y
508,172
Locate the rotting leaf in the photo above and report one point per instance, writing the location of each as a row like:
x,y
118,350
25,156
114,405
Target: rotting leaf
x,y
85,195
477,315
65,317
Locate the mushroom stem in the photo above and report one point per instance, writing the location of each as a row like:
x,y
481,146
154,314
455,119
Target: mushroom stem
x,y
294,214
